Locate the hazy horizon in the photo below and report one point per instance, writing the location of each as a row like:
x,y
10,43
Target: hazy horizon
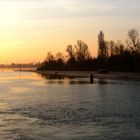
x,y
31,28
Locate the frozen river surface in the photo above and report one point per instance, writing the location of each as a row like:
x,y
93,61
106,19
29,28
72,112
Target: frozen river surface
x,y
38,107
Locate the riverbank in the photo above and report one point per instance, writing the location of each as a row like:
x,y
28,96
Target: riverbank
x,y
85,74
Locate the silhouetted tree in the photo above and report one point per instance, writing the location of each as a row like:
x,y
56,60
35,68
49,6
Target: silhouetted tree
x,y
133,39
49,57
111,48
59,61
71,62
102,48
120,46
82,51
59,55
114,55
114,48
133,43
71,52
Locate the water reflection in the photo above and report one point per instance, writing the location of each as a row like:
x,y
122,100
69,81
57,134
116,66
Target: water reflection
x,y
56,78
103,81
70,79
63,79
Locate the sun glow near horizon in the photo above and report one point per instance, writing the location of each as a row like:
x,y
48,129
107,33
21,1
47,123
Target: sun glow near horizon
x,y
28,29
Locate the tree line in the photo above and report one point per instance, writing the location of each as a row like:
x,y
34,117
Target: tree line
x,y
112,55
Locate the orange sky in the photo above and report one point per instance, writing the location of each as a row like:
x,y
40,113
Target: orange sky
x,y
29,29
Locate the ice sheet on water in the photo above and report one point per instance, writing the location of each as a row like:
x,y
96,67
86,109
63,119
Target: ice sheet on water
x,y
32,107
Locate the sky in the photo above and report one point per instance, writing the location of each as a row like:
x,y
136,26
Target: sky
x,y
31,28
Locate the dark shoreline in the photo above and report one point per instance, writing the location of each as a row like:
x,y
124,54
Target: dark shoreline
x,y
85,74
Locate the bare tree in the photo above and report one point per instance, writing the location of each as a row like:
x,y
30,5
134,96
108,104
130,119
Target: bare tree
x,y
120,46
49,57
82,50
71,52
133,39
59,55
111,48
114,48
133,43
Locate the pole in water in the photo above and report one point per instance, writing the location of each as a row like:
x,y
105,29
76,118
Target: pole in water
x,y
91,77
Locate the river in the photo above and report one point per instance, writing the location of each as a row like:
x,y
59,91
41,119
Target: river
x,y
38,107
